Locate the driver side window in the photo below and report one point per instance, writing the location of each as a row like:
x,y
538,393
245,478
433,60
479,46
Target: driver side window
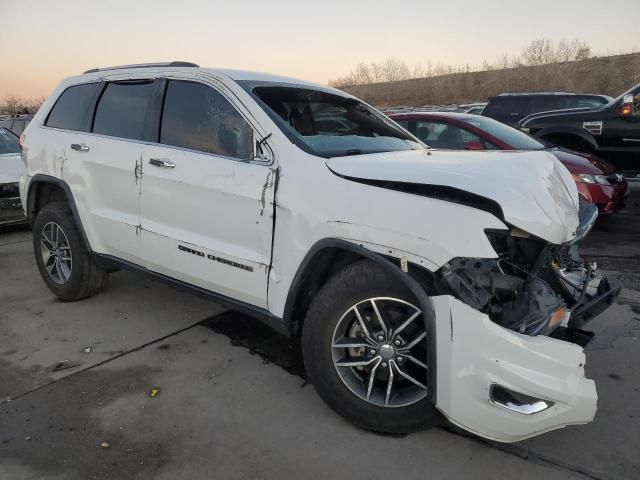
x,y
196,116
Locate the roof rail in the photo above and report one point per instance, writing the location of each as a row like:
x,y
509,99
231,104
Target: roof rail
x,y
144,65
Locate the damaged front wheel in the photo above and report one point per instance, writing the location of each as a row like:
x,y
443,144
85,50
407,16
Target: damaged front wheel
x,y
365,350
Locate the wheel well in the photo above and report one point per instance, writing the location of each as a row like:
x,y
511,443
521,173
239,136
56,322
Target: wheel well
x,y
321,267
569,140
41,194
317,271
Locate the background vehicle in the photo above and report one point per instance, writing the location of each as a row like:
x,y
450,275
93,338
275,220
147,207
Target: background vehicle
x,y
17,123
510,108
472,108
305,207
597,179
11,168
611,131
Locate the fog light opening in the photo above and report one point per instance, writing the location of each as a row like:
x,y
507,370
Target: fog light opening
x,y
517,402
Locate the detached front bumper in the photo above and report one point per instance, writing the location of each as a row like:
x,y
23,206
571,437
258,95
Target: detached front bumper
x,y
478,360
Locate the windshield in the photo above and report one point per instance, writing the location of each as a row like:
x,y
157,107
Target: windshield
x,y
8,142
330,125
515,138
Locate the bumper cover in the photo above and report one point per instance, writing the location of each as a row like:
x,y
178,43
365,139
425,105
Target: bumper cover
x,y
475,354
11,211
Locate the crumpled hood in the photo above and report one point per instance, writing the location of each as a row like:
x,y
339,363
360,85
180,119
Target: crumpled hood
x,y
536,193
11,167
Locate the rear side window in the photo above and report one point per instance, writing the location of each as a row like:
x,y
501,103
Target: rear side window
x,y
196,116
588,102
546,104
122,110
72,111
8,142
19,126
506,108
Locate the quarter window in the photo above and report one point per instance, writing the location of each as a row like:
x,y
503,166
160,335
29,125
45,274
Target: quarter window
x,y
72,111
196,116
122,110
506,108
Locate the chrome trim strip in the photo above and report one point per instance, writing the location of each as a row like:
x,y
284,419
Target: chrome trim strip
x,y
523,408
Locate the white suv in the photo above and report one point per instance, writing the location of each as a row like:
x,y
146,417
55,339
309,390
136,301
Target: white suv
x,y
418,280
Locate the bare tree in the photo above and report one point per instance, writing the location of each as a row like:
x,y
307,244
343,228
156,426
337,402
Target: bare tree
x,y
34,104
539,52
15,105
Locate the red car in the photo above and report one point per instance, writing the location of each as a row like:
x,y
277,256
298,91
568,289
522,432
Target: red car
x,y
596,179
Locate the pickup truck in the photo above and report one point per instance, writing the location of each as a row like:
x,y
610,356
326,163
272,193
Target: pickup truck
x,y
611,131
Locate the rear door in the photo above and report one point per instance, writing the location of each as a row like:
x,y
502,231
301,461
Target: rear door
x,y
548,103
207,214
98,169
111,165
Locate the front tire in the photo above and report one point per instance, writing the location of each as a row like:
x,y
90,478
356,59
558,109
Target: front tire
x,y
365,351
65,264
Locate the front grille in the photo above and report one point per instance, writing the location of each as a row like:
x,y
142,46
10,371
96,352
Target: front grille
x,y
8,190
10,203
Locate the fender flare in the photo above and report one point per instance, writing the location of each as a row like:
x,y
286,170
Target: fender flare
x,y
577,132
31,199
426,305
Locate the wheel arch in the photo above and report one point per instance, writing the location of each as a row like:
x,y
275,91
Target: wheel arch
x,y
568,132
336,254
44,189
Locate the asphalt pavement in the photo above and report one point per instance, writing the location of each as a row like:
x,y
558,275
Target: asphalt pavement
x,y
144,381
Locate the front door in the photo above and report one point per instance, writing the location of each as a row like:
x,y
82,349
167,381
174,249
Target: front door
x,y
623,132
206,209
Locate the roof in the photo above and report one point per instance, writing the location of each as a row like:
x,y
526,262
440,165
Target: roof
x,y
237,75
541,94
434,114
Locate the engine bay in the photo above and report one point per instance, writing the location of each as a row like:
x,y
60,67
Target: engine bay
x,y
533,287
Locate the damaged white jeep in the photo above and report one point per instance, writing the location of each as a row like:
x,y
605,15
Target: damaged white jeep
x,y
418,280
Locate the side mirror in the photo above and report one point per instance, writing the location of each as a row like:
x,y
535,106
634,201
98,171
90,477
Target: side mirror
x,y
474,146
261,152
626,110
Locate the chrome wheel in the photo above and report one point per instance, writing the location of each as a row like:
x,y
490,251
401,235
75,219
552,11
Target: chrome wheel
x,y
56,253
379,352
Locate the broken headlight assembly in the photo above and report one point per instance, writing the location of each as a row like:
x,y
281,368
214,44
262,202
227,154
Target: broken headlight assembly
x,y
523,303
533,287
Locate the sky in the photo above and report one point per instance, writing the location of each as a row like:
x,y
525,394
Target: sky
x,y
42,42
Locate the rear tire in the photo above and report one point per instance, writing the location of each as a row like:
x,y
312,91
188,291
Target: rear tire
x,y
65,264
332,320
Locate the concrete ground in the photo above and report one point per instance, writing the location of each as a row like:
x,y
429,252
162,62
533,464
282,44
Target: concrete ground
x,y
77,383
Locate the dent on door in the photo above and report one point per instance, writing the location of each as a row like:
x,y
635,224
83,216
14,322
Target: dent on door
x,y
208,220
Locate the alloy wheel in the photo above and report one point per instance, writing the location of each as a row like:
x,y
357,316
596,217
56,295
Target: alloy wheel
x,y
56,253
379,351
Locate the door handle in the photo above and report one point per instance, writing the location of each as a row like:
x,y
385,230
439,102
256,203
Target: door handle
x,y
159,162
79,147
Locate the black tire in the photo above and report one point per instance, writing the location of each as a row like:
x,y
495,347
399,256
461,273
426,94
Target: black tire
x,y
86,277
355,283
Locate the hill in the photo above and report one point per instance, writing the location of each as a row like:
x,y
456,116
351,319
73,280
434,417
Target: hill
x,y
605,75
